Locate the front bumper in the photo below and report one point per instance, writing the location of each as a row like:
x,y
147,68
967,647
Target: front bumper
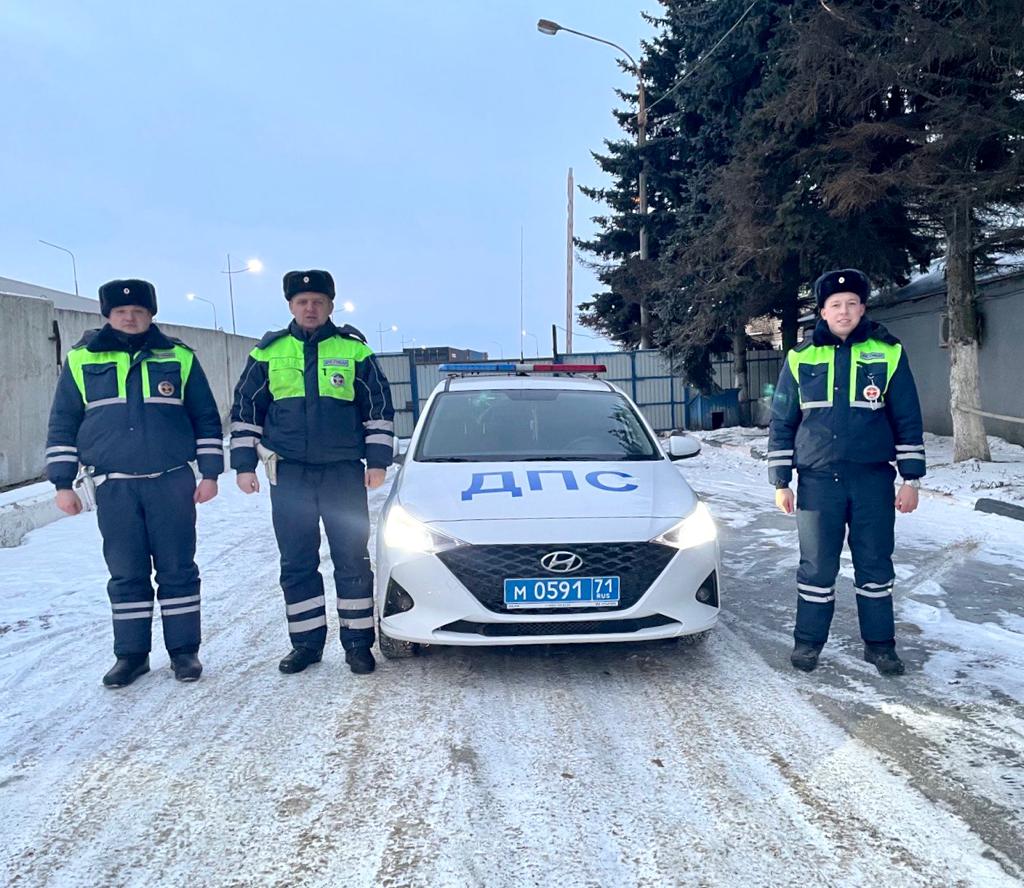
x,y
445,611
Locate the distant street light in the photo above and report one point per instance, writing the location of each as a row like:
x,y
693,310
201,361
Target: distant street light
x,y
191,297
253,265
536,343
381,330
412,342
74,267
551,28
348,306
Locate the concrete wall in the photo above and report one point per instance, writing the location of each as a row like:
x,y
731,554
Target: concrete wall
x,y
30,362
917,324
28,373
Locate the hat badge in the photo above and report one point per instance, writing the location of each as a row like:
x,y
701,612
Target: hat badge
x,y
842,280
305,279
126,291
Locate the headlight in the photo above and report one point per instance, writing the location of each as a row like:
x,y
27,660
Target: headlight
x,y
402,531
694,530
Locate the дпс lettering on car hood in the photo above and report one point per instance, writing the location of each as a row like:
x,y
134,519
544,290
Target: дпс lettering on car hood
x,y
521,490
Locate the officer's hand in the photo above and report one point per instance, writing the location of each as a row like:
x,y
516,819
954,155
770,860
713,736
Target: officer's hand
x,y
68,502
205,491
247,482
906,499
374,478
785,500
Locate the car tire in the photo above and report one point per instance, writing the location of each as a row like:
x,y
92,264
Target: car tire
x,y
695,639
393,649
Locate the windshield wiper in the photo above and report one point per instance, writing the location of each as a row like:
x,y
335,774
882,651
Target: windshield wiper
x,y
450,459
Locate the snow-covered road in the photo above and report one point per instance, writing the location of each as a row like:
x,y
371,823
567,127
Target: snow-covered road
x,y
612,765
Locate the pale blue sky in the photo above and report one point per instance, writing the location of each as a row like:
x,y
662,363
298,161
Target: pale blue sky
x,y
401,146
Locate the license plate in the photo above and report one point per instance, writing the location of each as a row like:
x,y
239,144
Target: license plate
x,y
548,592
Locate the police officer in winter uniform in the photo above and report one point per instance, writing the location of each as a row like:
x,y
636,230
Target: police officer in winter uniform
x,y
314,399
134,407
846,407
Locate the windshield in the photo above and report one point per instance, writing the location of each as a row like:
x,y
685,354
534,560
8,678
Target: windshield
x,y
498,425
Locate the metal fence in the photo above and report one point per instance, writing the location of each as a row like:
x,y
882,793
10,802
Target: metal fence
x,y
666,401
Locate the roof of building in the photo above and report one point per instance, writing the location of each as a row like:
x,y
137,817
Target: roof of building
x,y
59,298
933,282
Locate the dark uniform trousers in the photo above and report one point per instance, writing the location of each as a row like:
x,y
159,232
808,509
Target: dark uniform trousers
x,y
305,494
858,496
147,523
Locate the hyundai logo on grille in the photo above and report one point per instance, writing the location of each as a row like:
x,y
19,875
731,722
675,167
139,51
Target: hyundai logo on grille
x,y
561,562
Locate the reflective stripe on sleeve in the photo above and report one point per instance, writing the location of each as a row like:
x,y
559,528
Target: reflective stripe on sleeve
x,y
65,449
243,442
216,442
246,427
773,453
384,425
59,459
379,439
772,463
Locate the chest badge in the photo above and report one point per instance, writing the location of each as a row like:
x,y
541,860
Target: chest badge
x,y
165,388
337,380
871,394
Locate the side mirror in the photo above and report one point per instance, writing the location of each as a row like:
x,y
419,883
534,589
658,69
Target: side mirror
x,y
682,447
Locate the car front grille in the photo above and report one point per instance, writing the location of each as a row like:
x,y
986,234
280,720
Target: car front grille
x,y
566,627
484,569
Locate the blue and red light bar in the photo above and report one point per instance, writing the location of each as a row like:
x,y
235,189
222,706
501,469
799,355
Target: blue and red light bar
x,y
520,368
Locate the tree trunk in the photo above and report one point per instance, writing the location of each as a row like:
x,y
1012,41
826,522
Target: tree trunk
x,y
739,368
969,441
790,321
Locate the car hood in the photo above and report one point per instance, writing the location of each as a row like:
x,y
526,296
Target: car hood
x,y
439,492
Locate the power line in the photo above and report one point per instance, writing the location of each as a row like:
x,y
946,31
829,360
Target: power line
x,y
704,58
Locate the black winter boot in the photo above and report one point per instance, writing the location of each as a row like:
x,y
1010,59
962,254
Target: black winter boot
x,y
126,670
299,659
360,660
883,657
186,666
805,656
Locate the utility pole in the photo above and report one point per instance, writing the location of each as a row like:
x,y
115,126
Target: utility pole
x,y
568,272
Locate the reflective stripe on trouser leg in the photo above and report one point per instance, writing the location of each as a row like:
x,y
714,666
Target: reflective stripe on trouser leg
x,y
821,522
121,521
347,523
872,537
170,512
296,519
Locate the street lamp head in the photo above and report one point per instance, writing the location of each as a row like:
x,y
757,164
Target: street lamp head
x,y
545,26
394,328
254,265
191,297
348,306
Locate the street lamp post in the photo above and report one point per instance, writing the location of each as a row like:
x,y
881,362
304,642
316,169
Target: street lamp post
x,y
191,297
551,28
536,343
74,266
253,265
381,330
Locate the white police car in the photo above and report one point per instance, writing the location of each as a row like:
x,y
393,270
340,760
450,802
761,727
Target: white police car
x,y
535,509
